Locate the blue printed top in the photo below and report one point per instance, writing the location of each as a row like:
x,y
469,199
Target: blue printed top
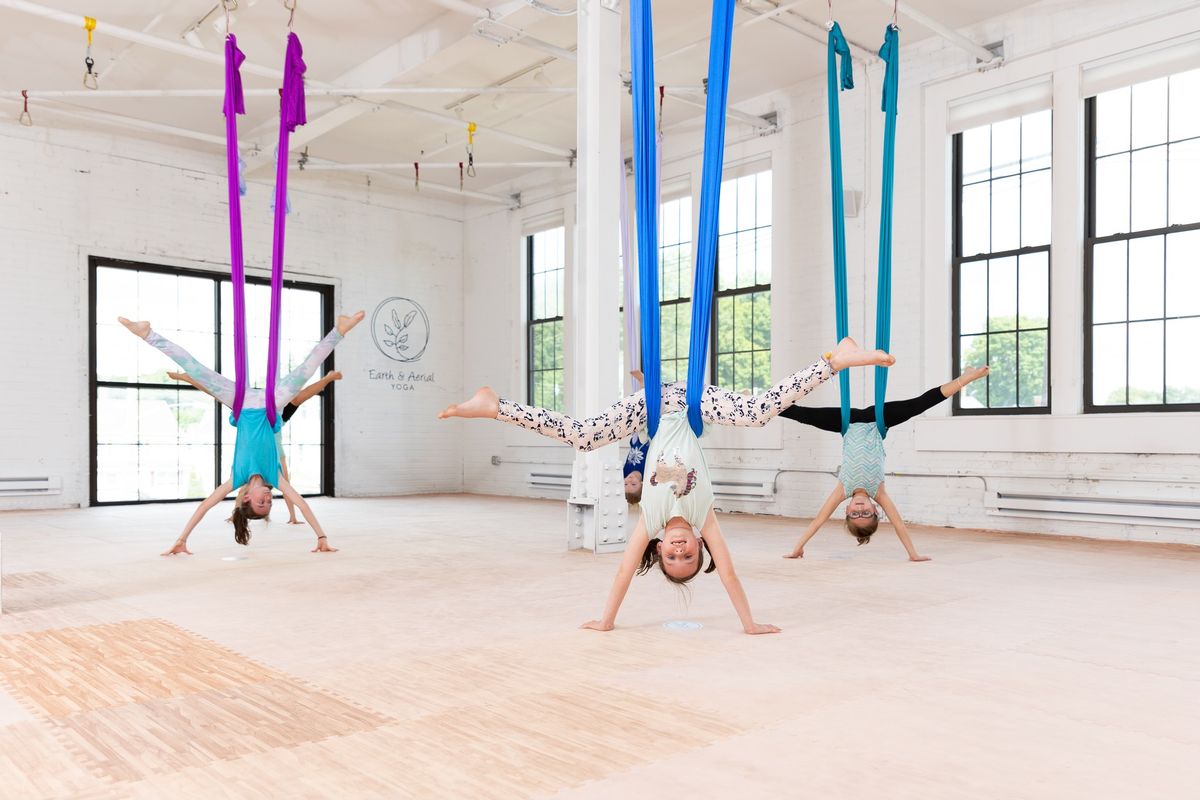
x,y
635,459
254,450
862,459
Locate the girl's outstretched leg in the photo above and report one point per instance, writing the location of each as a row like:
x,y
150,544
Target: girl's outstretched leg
x,y
726,408
618,422
214,383
290,385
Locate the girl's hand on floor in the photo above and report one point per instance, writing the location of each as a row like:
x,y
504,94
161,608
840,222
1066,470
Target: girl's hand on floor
x,y
597,625
919,558
294,521
177,548
758,628
797,553
323,547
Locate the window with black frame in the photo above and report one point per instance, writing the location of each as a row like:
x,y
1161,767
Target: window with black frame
x,y
675,285
154,439
742,318
1001,265
545,258
1142,253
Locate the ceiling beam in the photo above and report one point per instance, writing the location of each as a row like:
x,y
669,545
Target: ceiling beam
x,y
981,53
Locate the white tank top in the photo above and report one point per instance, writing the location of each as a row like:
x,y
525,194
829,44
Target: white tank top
x,y
676,481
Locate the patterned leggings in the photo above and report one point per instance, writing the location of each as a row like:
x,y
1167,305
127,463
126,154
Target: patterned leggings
x,y
625,417
223,389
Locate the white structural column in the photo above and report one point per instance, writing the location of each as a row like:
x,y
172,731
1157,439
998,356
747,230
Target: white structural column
x,y
1066,249
597,509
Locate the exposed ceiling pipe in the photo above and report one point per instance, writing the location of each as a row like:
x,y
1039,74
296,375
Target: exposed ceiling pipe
x,y
117,32
121,121
763,16
981,53
732,113
311,92
483,29
103,28
546,8
405,165
553,150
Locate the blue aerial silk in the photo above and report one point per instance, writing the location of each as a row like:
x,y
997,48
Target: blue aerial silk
x,y
890,53
839,48
645,175
720,45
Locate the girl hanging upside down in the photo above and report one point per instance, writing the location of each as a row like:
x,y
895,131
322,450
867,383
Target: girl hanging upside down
x,y
676,496
860,476
255,457
293,405
676,500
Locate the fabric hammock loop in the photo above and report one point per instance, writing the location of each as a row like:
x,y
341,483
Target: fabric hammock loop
x,y
843,79
292,113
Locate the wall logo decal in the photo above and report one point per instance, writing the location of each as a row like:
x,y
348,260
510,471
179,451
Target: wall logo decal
x,y
400,328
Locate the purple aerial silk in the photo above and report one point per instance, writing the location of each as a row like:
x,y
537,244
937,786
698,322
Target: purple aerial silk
x,y
235,104
291,114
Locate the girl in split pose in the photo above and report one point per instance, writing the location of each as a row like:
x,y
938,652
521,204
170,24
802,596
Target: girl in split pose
x,y
255,459
307,393
860,477
677,494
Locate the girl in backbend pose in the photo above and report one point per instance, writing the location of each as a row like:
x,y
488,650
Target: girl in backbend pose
x,y
307,393
677,496
860,477
255,458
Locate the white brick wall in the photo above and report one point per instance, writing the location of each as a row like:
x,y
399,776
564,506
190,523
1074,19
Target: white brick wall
x,y
65,195
803,294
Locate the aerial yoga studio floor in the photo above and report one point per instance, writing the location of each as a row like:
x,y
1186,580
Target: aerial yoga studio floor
x,y
437,656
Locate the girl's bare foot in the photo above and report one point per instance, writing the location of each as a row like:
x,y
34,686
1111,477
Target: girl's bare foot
x,y
177,376
346,324
139,329
485,404
971,374
849,354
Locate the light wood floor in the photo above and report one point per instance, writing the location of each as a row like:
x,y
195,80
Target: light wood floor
x,y
437,656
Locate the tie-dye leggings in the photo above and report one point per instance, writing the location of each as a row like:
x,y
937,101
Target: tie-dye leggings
x,y
223,389
625,417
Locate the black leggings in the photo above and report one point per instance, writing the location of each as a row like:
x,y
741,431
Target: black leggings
x,y
894,413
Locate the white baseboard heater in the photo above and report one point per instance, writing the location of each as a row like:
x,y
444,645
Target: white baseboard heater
x,y
1129,510
14,487
550,477
754,485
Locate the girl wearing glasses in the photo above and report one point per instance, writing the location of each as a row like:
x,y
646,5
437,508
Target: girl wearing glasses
x,y
860,477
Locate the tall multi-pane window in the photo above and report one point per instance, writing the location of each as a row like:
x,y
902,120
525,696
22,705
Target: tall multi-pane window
x,y
1142,257
156,439
675,286
742,327
545,258
1001,270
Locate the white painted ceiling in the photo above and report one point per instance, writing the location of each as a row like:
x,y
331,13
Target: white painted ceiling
x,y
340,35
